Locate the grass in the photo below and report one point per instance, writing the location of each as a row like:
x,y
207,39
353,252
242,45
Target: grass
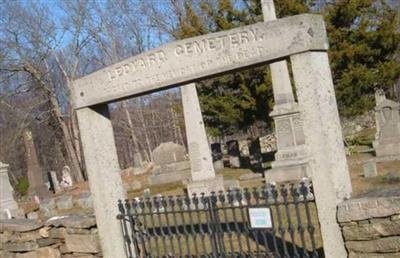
x,y
388,175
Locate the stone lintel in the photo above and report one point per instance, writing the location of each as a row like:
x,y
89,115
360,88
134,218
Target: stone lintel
x,y
184,61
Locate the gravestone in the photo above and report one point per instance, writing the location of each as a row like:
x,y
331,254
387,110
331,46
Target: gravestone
x,y
35,176
387,115
291,161
256,160
369,169
203,178
8,206
66,179
268,143
147,193
244,153
244,148
234,153
217,156
170,164
138,166
54,183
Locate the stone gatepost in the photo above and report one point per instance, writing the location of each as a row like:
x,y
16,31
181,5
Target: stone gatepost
x,y
104,175
8,206
291,158
204,178
323,134
301,38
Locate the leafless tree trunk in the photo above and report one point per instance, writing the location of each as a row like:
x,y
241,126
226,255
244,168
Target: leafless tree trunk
x,y
131,130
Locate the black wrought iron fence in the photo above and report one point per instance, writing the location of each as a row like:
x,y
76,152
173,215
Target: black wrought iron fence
x,y
261,222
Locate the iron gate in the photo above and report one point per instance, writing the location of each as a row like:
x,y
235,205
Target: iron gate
x,y
219,225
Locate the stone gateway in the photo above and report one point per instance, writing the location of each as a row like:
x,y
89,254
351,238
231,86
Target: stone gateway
x,y
301,38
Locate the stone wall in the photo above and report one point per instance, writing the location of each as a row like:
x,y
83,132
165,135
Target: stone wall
x,y
371,226
60,237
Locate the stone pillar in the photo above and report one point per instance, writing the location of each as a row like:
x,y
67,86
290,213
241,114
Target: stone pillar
x,y
35,177
104,176
323,134
8,206
202,169
291,158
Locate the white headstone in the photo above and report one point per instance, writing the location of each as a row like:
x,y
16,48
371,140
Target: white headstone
x,y
370,169
8,206
66,180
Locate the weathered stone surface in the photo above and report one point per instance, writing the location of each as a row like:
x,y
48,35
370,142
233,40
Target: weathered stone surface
x,y
169,152
132,185
22,236
374,255
8,206
6,254
250,176
34,172
387,138
383,245
21,246
64,202
366,208
372,231
82,244
48,207
80,255
370,170
201,165
72,221
231,184
323,136
33,215
84,201
45,252
185,60
287,171
61,233
55,184
19,225
206,186
47,241
104,175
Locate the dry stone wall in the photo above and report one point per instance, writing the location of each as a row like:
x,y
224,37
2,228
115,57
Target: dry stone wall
x,y
60,237
371,226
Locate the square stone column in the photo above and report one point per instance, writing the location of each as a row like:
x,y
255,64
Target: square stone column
x,y
204,178
291,158
104,176
323,134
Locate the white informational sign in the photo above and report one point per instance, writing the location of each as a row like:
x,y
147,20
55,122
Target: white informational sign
x,y
260,217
